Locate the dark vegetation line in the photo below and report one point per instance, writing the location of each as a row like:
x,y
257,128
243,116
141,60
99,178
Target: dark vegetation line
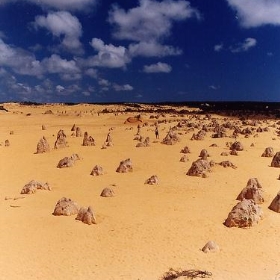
x,y
223,108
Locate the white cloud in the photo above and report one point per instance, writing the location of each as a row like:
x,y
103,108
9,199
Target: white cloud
x,y
19,60
150,20
56,65
108,55
244,46
91,72
65,25
71,76
218,48
253,13
59,88
152,49
59,4
157,68
103,82
149,24
125,87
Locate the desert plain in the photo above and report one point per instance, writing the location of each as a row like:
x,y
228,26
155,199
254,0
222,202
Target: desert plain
x,y
143,230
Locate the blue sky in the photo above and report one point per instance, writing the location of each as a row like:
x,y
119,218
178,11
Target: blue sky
x,y
139,51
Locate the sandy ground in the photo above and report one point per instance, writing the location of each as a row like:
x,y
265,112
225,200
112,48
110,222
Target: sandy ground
x,y
144,230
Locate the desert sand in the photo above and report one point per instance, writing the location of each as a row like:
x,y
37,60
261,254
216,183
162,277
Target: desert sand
x,y
144,230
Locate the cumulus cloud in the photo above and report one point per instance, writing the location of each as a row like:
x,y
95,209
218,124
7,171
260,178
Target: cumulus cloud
x,y
157,68
91,72
149,24
57,65
60,5
244,46
108,55
19,60
253,13
150,20
59,88
152,49
104,82
63,24
125,87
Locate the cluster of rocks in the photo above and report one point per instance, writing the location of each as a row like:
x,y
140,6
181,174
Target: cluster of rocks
x,y
68,161
77,132
199,168
247,212
199,136
67,207
33,186
145,143
171,138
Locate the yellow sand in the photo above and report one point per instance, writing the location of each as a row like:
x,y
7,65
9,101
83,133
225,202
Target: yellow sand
x,y
144,230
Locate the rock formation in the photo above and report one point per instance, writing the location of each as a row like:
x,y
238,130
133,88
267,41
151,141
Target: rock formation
x,y
108,142
233,153
268,152
88,140
78,132
73,127
60,140
204,154
171,138
7,143
33,186
199,168
68,161
97,171
107,192
210,246
184,158
86,215
199,136
275,204
227,163
253,191
245,213
237,146
276,160
153,180
125,166
185,150
145,143
66,207
43,146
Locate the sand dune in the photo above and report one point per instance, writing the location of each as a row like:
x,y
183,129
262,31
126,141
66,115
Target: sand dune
x,y
144,229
